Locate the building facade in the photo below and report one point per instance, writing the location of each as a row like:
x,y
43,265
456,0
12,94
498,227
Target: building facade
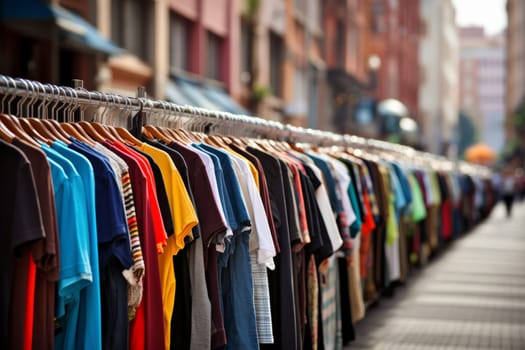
x,y
439,86
300,61
482,83
345,36
42,42
515,62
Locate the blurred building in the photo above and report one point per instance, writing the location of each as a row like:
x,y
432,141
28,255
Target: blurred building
x,y
482,83
52,41
345,37
187,52
307,62
438,67
515,62
394,37
391,51
287,61
189,48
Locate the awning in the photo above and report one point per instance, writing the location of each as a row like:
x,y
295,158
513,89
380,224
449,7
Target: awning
x,y
194,93
220,97
175,95
185,91
35,18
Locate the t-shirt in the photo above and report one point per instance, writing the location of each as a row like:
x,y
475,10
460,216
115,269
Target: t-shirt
x,y
211,175
75,265
44,253
182,168
90,312
184,219
147,328
134,275
187,279
21,223
326,208
280,280
114,247
419,211
112,229
263,189
261,235
224,195
262,249
182,211
232,187
205,307
161,194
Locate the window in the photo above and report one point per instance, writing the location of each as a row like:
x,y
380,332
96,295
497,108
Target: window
x,y
340,44
246,50
214,56
180,43
353,41
276,63
130,26
378,25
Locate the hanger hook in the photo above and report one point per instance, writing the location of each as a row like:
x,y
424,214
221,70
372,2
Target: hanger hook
x,y
13,96
6,93
75,104
54,99
82,106
36,92
43,99
25,95
64,101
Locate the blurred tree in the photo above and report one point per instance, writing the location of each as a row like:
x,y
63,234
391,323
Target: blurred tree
x,y
467,133
519,120
515,149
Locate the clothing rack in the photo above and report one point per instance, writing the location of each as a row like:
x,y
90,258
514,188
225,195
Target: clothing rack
x,y
171,114
277,240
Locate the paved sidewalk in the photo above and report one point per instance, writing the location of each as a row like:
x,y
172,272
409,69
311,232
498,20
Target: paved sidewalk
x,y
470,297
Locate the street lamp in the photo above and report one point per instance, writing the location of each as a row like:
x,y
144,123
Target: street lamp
x,y
374,63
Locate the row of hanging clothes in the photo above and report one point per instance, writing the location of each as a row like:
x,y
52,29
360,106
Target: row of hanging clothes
x,y
131,223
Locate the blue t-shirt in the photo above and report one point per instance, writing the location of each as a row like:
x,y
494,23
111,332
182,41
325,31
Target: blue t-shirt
x,y
400,201
355,227
75,268
89,333
405,186
112,228
223,192
335,201
232,185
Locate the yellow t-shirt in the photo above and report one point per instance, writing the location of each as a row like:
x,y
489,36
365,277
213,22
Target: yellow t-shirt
x,y
184,219
253,169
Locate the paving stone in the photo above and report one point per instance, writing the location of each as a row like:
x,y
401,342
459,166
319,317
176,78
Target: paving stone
x,y
471,296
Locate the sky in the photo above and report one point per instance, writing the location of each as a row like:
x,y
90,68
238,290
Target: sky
x,y
490,14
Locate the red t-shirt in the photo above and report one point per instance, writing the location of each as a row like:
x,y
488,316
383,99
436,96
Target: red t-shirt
x,y
30,306
147,328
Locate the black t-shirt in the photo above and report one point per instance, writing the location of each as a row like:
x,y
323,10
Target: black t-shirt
x,y
282,294
181,316
45,253
182,168
326,249
162,195
20,223
211,225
